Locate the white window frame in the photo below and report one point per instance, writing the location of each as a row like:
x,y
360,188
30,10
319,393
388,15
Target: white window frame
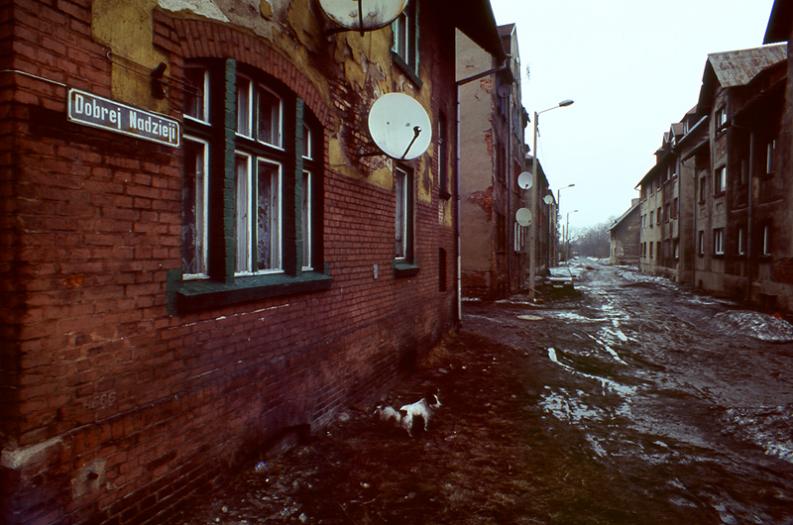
x,y
769,157
257,94
741,247
250,107
205,212
766,240
721,178
402,177
205,108
308,244
718,241
251,222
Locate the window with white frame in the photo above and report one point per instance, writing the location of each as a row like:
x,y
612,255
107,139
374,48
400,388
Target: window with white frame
x,y
766,240
240,194
721,118
770,151
741,242
720,185
718,241
195,198
403,223
405,40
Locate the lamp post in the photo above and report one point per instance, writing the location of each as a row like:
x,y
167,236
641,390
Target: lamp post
x,y
534,198
559,212
567,234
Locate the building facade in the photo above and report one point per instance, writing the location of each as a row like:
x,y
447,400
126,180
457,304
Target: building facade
x,y
494,247
625,237
715,211
201,248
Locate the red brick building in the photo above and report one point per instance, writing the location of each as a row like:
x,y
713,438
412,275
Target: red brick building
x,y
228,265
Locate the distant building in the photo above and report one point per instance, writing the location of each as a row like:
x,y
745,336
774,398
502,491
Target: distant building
x,y
715,206
493,153
625,236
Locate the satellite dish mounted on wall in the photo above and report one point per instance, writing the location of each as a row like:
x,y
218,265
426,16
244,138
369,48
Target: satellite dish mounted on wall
x,y
525,180
523,217
362,15
548,199
399,126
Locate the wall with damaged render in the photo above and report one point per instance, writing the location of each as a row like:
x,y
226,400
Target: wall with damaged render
x,y
119,408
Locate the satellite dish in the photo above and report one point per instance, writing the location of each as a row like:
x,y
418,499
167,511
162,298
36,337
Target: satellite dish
x,y
523,216
547,200
363,15
525,180
400,126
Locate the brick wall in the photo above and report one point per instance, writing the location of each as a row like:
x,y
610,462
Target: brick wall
x,y
122,410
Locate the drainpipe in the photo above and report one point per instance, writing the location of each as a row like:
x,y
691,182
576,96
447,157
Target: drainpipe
x,y
749,225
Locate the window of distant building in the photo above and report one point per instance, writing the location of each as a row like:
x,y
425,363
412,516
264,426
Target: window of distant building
x,y
658,215
741,242
652,218
405,42
766,240
744,171
721,118
718,241
675,208
770,151
651,249
703,184
720,181
701,243
667,212
676,247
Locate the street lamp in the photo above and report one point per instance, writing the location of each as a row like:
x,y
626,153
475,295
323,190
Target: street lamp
x,y
567,235
534,197
559,210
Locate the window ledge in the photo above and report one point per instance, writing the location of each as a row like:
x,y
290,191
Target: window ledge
x,y
406,69
194,295
405,269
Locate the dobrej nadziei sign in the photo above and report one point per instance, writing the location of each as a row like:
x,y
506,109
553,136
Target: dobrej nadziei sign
x,y
91,110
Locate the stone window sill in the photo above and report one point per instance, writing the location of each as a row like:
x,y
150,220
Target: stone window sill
x,y
405,269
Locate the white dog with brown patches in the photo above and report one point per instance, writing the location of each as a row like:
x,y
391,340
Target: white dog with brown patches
x,y
405,417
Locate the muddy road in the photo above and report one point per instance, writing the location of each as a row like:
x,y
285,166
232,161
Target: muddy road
x,y
632,402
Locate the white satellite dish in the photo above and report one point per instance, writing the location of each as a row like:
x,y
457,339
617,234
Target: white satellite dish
x,y
547,200
400,126
525,180
363,15
523,216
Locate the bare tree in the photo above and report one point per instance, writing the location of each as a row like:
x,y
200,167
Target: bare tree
x,y
593,241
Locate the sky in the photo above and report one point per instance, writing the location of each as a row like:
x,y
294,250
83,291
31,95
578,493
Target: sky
x,y
633,67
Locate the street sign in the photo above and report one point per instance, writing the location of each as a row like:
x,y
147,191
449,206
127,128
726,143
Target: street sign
x,y
98,112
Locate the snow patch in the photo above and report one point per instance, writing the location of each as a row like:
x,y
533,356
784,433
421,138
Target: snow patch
x,y
755,324
766,427
607,384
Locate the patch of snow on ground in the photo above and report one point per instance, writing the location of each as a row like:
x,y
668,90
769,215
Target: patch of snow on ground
x,y
569,408
606,384
755,324
766,427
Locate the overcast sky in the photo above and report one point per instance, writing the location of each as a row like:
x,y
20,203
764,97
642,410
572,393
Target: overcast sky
x,y
633,67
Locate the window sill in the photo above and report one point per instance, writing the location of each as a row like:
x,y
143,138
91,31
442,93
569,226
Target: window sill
x,y
406,69
196,295
405,269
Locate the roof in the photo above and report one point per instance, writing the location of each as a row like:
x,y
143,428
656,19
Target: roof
x,y
679,129
779,23
475,19
737,68
506,29
627,214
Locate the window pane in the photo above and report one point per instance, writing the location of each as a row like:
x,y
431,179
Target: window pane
x,y
194,216
400,239
268,217
269,117
243,106
306,221
242,223
308,146
196,93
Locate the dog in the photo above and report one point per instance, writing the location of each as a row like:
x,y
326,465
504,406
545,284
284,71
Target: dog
x,y
407,415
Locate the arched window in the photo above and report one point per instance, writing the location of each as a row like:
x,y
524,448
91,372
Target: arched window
x,y
251,205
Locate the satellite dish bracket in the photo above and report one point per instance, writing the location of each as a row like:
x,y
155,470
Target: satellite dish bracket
x,y
416,133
